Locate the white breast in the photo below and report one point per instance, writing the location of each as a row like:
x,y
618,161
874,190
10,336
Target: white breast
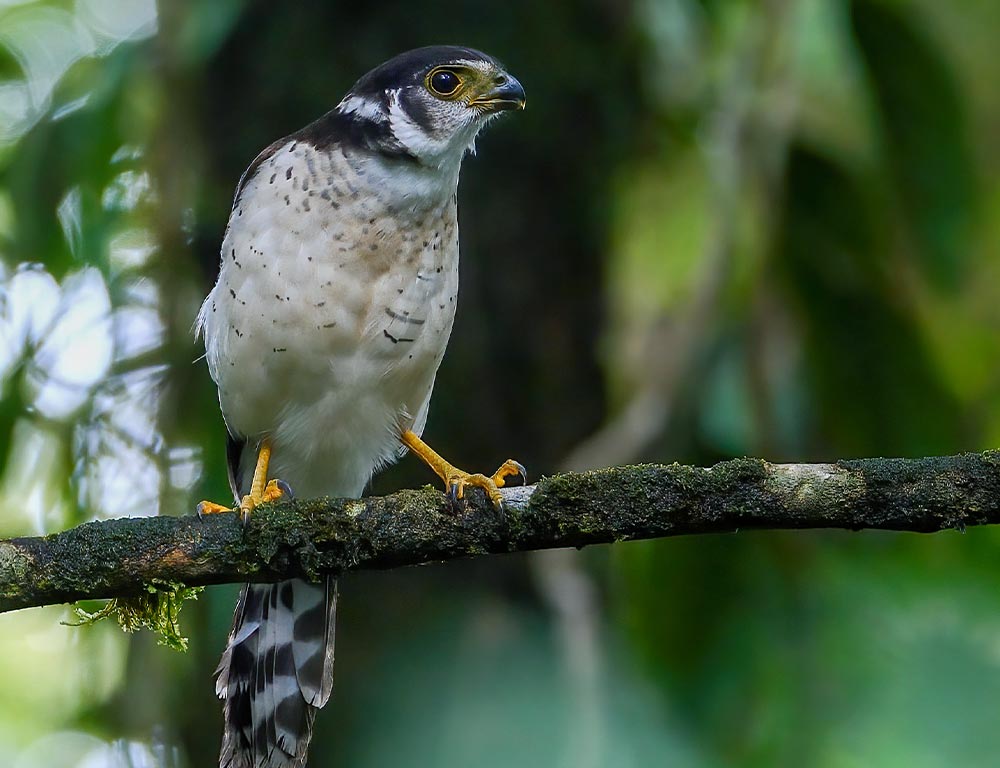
x,y
331,314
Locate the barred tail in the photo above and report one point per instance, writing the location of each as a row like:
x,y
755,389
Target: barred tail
x,y
276,671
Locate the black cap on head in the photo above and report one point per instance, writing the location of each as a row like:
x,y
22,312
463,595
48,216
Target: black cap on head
x,y
411,67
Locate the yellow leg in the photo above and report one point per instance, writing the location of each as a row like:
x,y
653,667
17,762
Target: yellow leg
x,y
455,479
261,490
259,482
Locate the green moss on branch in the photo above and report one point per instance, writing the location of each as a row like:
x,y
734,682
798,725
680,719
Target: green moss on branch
x,y
307,538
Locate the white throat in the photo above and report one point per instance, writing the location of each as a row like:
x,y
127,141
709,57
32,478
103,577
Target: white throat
x,y
444,154
404,184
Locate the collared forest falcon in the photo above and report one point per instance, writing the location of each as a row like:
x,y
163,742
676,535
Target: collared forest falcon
x,y
324,333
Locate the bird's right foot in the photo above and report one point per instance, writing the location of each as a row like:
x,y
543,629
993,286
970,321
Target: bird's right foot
x,y
261,490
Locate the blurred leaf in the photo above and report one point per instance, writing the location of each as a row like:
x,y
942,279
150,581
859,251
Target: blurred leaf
x,y
875,387
69,153
204,27
12,407
925,134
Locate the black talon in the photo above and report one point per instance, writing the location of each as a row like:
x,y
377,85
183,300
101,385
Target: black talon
x,y
285,488
458,505
522,472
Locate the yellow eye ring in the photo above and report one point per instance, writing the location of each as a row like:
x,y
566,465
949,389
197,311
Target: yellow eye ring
x,y
443,82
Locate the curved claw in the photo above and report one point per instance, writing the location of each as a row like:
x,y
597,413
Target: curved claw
x,y
274,490
490,487
455,491
457,484
522,472
510,468
244,509
210,508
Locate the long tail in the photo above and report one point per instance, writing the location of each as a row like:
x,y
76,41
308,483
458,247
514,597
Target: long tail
x,y
276,671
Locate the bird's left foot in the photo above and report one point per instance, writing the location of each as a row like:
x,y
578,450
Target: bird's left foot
x,y
457,480
274,490
261,490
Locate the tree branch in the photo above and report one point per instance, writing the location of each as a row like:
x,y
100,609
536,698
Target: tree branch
x,y
307,538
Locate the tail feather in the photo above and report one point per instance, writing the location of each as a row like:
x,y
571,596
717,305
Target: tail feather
x,y
314,660
277,669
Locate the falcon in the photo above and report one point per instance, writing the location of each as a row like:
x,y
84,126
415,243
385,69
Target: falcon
x,y
324,333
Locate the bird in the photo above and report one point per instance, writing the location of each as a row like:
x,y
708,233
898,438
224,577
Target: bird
x,y
324,332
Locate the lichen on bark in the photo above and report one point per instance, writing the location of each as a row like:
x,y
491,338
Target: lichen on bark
x,y
306,538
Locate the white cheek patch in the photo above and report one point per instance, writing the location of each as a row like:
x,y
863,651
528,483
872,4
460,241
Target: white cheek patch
x,y
367,109
406,131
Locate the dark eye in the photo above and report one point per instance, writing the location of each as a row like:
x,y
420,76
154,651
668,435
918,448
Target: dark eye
x,y
445,82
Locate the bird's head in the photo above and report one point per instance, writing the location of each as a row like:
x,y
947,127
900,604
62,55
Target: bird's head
x,y
430,103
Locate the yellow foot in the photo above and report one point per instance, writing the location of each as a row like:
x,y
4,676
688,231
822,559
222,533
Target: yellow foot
x,y
261,490
211,508
456,480
273,491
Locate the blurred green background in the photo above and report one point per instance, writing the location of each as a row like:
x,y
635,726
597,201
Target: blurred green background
x,y
720,228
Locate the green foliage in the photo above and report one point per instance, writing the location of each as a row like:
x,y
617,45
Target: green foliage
x,y
925,136
756,228
156,609
837,268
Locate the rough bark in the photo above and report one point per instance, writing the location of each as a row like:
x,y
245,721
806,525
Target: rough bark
x,y
306,538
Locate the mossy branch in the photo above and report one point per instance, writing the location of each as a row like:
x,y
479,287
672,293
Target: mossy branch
x,y
307,538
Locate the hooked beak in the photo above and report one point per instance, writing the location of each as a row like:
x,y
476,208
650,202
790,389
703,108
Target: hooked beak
x,y
506,93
